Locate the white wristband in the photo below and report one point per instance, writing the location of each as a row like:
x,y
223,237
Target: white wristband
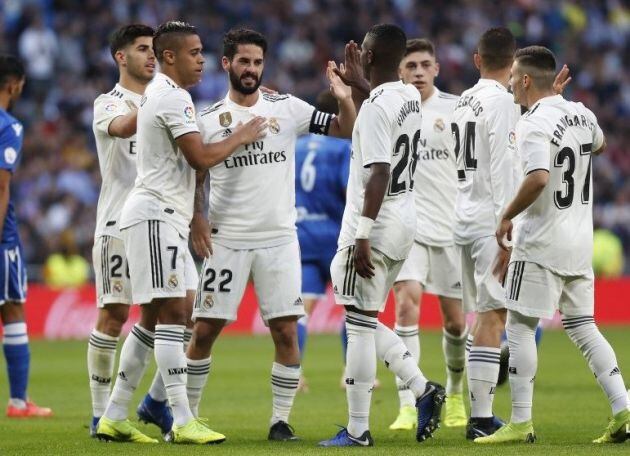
x,y
364,228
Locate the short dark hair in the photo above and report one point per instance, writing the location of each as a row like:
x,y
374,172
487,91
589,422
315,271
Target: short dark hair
x,y
234,37
419,45
326,102
126,35
389,44
167,35
496,48
539,62
10,67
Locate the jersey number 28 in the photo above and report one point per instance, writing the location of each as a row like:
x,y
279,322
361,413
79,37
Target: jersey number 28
x,y
407,162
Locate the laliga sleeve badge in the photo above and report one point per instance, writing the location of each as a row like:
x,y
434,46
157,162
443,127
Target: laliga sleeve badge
x,y
274,126
438,126
225,119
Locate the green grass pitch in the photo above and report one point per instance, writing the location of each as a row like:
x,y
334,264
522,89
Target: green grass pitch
x,y
569,408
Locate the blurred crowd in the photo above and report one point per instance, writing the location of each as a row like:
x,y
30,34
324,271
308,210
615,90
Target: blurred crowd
x,y
64,46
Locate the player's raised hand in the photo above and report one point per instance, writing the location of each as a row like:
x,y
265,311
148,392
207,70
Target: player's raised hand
x,y
337,87
351,71
200,235
562,80
251,131
362,258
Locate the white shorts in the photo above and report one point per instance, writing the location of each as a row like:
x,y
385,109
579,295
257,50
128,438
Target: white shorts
x,y
482,291
438,269
353,290
160,264
111,272
535,291
275,272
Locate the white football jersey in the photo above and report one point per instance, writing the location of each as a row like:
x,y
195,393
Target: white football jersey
x,y
483,127
116,158
165,186
556,231
252,192
387,130
435,180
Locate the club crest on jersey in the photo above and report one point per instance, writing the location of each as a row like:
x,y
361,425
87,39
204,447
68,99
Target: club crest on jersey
x,y
512,137
172,281
438,126
118,286
208,302
225,119
274,126
110,107
188,112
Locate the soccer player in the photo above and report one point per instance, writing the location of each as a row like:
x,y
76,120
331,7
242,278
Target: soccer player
x,y
551,263
252,211
377,232
13,269
115,115
433,263
154,224
483,129
322,167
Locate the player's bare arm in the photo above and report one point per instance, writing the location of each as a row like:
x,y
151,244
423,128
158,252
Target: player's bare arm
x,y
602,148
5,193
531,188
351,73
374,193
124,126
199,226
341,126
203,156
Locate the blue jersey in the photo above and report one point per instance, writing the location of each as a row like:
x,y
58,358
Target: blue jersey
x,y
10,154
322,168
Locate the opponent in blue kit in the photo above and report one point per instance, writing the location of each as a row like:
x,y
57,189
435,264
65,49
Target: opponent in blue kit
x,y
12,267
322,167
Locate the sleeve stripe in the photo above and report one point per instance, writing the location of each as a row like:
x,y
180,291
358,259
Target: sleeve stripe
x,y
320,122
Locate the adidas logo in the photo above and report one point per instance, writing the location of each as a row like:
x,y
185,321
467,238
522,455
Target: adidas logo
x,y
122,376
406,355
298,302
615,371
335,289
227,132
492,390
457,285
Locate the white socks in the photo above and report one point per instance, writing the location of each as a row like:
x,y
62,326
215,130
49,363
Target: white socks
x,y
601,359
454,348
360,370
521,332
171,361
134,357
410,337
398,359
284,383
483,372
101,355
157,390
198,371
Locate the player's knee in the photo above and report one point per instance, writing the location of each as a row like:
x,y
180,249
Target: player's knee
x,y
455,327
205,332
12,312
284,333
493,320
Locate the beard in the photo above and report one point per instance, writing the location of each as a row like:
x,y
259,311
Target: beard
x,y
237,85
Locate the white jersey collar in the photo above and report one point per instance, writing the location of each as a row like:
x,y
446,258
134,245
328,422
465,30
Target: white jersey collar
x,y
232,104
491,82
386,85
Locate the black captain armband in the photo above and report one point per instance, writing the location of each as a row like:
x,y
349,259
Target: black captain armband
x,y
320,122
